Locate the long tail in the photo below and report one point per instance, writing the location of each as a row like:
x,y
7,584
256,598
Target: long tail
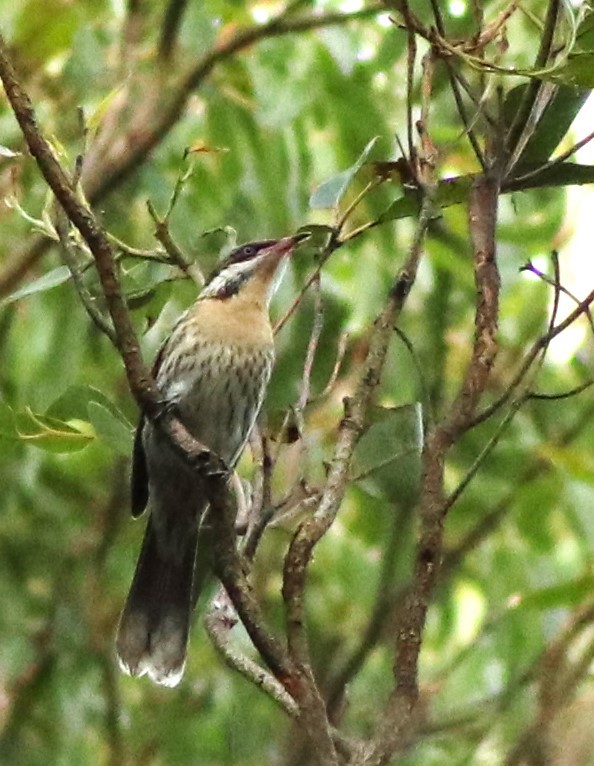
x,y
153,632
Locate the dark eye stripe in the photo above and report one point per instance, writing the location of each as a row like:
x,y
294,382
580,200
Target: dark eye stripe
x,y
242,253
249,250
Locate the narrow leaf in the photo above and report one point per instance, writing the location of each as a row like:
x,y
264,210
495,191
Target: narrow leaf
x,y
397,433
52,279
7,424
52,434
330,193
454,191
552,126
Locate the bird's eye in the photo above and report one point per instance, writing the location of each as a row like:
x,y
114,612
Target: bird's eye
x,y
249,251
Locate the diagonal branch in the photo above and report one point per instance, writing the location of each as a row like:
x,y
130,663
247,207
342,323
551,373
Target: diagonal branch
x,y
208,466
147,131
110,162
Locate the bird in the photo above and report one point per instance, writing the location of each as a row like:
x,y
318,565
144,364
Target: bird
x,y
212,372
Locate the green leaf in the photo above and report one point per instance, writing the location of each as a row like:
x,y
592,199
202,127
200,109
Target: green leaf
x,y
561,174
140,281
329,194
564,594
552,126
74,403
89,403
7,424
451,191
388,445
454,191
578,71
579,66
112,430
52,434
52,279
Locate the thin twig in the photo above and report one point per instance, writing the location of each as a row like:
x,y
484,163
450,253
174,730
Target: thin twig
x,y
175,253
356,202
538,396
322,259
351,428
310,354
262,509
487,449
453,77
411,55
228,564
340,352
529,266
380,614
88,301
556,161
531,356
218,626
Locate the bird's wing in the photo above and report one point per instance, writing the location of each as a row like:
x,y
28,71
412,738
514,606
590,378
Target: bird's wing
x,y
139,483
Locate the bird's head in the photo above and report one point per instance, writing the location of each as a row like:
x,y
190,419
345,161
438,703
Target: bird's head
x,y
253,267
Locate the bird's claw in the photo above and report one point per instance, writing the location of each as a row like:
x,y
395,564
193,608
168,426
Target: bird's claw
x,y
211,465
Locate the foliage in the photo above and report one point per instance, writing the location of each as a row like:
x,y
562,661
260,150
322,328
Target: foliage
x,y
294,127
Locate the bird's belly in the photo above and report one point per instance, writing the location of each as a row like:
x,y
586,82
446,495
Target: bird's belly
x,y
218,393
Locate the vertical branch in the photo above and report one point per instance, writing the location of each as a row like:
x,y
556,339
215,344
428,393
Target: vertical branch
x,y
482,216
410,69
351,428
229,568
170,30
401,717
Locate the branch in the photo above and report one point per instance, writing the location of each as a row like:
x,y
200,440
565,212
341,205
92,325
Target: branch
x,y
228,565
380,614
170,29
542,343
110,163
351,428
140,381
70,259
468,128
493,516
218,626
149,130
482,214
84,220
402,715
229,568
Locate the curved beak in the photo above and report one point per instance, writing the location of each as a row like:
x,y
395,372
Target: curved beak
x,y
286,245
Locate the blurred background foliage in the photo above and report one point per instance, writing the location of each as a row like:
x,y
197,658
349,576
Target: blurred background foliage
x,y
276,120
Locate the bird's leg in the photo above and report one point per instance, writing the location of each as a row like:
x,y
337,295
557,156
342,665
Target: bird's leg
x,y
204,460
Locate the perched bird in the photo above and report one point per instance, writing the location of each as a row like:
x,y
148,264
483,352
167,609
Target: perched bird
x,y
213,371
